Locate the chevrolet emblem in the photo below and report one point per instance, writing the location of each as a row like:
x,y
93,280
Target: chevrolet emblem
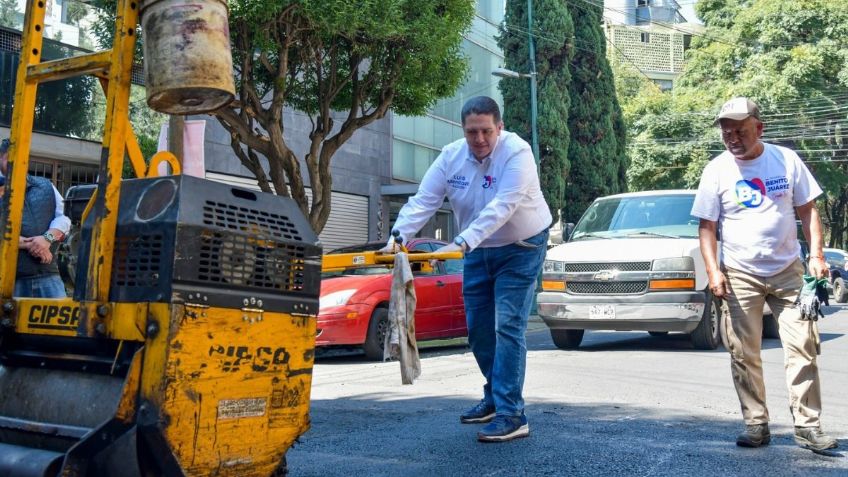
x,y
605,275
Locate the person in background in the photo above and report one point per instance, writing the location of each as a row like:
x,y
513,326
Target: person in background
x,y
491,181
44,223
752,192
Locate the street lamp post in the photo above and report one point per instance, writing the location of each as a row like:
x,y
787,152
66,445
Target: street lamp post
x,y
505,73
534,132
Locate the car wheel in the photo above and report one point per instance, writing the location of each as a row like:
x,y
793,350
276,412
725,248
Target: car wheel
x,y
375,339
658,333
770,328
708,333
567,339
840,295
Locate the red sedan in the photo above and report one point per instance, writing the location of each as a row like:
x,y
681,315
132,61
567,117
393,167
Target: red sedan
x,y
354,304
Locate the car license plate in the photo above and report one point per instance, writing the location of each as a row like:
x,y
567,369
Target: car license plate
x,y
602,312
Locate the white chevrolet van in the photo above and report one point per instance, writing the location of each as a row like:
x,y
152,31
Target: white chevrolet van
x,y
632,262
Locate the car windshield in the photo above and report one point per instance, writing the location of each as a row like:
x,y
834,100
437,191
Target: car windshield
x,y
638,216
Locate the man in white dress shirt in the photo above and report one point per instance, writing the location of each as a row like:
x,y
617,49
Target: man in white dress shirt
x,y
491,181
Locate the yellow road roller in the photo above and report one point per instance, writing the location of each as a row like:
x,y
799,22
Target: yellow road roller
x,y
187,347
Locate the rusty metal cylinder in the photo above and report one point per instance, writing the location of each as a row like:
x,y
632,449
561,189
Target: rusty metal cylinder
x,y
188,64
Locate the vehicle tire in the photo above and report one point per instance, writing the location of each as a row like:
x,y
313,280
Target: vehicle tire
x,y
658,333
840,294
567,339
708,333
375,339
771,330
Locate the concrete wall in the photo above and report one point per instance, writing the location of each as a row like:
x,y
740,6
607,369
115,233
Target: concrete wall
x,y
61,148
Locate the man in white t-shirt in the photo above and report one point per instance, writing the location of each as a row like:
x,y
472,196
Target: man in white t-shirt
x,y
751,193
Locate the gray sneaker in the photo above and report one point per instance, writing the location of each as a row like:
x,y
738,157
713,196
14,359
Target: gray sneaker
x,y
814,439
755,435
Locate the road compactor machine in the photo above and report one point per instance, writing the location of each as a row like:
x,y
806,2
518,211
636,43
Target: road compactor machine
x,y
188,344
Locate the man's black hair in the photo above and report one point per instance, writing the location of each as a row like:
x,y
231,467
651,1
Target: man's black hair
x,y
481,105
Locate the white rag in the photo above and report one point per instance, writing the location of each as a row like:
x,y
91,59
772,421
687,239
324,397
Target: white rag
x,y
400,340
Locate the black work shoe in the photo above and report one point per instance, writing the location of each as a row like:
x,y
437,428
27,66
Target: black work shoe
x,y
814,439
504,428
755,435
482,412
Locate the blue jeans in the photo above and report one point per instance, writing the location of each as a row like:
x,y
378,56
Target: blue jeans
x,y
44,286
498,286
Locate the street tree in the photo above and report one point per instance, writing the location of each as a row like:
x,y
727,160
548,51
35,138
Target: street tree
x,y
553,33
597,148
344,65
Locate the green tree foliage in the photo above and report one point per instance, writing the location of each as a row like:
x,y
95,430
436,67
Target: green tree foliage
x,y
788,56
9,13
597,149
554,51
344,64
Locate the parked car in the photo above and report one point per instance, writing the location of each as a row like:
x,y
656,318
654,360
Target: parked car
x,y
632,262
354,303
836,262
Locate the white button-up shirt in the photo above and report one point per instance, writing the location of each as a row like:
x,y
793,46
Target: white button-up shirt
x,y
496,201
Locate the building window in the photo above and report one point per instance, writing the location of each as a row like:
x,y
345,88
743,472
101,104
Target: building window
x,y
63,174
643,3
645,37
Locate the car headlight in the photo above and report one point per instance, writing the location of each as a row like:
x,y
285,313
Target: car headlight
x,y
337,298
677,264
553,266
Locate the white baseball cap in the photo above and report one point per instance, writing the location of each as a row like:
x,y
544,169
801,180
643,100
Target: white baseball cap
x,y
738,109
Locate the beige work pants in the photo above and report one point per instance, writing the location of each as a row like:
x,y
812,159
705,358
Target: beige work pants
x,y
742,334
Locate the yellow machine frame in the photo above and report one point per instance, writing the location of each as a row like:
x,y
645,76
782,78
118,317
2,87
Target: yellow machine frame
x,y
257,395
114,68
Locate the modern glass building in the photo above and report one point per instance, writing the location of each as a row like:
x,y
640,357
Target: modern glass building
x,y
417,141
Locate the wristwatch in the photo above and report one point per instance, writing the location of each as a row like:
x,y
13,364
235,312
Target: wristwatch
x,y
461,242
49,237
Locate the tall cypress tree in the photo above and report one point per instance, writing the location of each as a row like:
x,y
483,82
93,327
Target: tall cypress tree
x,y
597,148
553,33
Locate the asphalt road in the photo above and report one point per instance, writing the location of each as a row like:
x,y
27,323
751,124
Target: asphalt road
x,y
624,404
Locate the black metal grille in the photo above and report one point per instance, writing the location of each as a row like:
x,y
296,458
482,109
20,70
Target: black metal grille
x,y
253,221
252,262
138,261
576,267
607,288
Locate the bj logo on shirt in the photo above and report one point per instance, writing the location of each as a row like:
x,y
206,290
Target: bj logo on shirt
x,y
488,181
750,194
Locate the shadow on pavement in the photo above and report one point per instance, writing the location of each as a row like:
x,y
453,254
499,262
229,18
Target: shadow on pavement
x,y
387,434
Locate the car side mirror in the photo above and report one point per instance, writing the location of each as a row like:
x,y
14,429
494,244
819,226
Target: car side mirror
x,y
566,232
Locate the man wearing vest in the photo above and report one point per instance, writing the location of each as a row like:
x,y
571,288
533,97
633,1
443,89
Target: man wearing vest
x,y
44,223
